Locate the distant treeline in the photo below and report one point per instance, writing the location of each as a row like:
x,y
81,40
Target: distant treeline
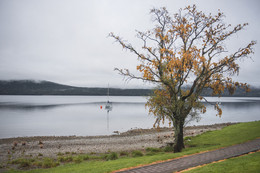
x,y
30,87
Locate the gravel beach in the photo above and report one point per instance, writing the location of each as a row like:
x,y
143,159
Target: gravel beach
x,y
137,139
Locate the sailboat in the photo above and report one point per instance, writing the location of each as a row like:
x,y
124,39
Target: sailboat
x,y
108,106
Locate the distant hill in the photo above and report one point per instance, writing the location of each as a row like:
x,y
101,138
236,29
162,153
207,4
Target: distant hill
x,y
255,92
31,87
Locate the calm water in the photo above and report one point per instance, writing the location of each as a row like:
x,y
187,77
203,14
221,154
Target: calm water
x,y
82,116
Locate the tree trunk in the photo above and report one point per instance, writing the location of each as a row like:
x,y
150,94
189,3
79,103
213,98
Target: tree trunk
x,y
178,134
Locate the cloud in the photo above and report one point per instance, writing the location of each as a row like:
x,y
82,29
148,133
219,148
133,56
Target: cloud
x,y
66,41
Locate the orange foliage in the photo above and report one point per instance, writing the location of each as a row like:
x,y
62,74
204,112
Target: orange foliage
x,y
189,50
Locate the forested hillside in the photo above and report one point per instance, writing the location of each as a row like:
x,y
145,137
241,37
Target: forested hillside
x,y
30,87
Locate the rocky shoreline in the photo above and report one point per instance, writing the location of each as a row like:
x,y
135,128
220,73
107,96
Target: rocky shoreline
x,y
52,146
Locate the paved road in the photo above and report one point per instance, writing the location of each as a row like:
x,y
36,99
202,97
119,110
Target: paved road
x,y
198,159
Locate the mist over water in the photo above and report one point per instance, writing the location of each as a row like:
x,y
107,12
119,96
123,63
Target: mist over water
x,y
83,116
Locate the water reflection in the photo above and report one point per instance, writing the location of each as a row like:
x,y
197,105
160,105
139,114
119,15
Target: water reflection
x,y
82,116
28,107
236,105
32,107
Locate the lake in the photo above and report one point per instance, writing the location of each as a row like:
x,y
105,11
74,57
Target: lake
x,y
83,116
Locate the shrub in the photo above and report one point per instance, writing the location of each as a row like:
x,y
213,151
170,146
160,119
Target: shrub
x,y
112,156
48,163
69,159
77,159
123,153
16,161
38,163
168,149
65,159
137,153
154,150
60,154
61,159
85,157
25,163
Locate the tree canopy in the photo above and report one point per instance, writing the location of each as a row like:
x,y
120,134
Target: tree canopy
x,y
186,49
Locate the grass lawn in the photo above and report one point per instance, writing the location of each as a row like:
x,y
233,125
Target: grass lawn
x,y
247,163
230,135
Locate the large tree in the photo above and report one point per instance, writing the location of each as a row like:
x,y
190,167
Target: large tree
x,y
183,54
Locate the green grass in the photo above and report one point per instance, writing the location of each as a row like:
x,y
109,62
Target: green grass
x,y
247,163
230,135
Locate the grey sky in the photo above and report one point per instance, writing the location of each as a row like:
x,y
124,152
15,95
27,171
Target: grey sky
x,y
66,41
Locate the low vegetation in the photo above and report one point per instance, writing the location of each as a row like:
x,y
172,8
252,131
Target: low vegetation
x,y
137,153
110,161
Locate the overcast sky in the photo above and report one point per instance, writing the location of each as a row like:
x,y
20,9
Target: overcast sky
x,y
66,41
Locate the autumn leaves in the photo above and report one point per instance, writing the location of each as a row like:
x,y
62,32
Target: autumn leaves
x,y
184,54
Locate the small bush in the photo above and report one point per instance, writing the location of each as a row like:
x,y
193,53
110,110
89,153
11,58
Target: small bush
x,y
69,159
137,153
49,163
38,163
85,157
65,159
56,164
123,153
154,150
103,156
61,159
60,154
40,154
77,159
112,156
24,163
16,161
168,149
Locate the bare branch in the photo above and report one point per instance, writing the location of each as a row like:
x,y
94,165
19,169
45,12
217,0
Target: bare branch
x,y
131,76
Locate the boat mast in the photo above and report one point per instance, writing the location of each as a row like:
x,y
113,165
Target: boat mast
x,y
108,92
